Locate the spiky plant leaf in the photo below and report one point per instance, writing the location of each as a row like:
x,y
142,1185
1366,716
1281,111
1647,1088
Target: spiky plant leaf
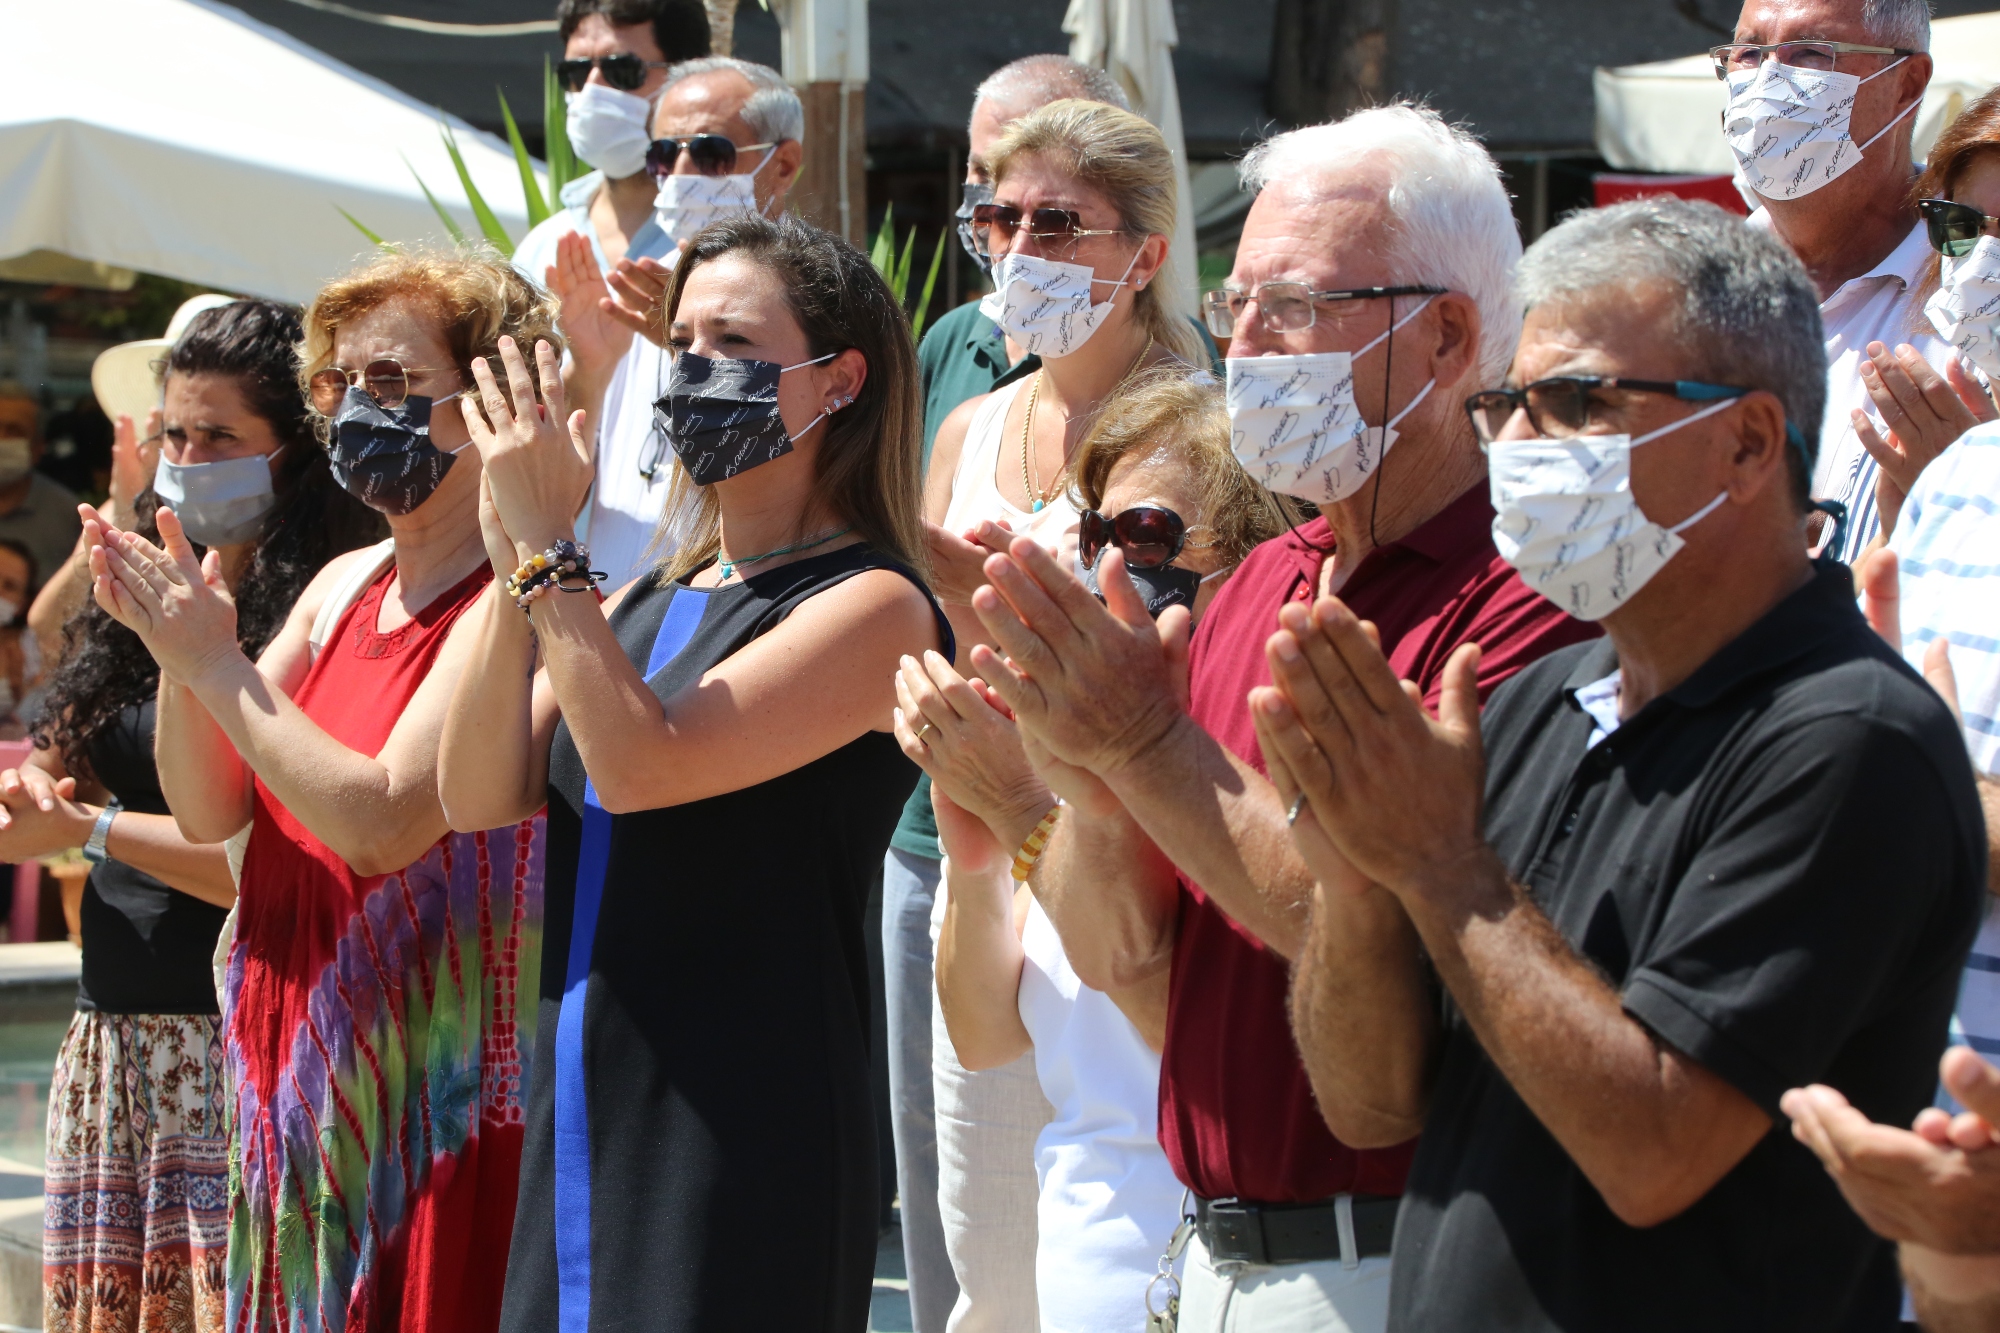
x,y
489,224
930,284
358,227
538,207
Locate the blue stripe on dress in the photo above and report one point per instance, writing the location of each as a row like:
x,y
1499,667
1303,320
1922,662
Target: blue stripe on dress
x,y
572,1101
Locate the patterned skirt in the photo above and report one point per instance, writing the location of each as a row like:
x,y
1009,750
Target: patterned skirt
x,y
136,1213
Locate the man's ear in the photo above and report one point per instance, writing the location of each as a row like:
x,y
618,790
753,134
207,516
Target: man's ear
x,y
786,161
1458,328
1762,456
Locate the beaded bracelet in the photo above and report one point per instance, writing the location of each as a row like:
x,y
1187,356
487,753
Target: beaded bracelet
x,y
1038,841
565,560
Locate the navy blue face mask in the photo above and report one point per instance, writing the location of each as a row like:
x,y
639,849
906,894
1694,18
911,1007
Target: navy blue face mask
x,y
1161,586
721,415
383,456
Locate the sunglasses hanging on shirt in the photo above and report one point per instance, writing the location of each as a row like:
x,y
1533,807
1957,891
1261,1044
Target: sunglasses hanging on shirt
x,y
623,72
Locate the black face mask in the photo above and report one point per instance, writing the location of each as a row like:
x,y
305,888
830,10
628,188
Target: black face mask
x,y
1161,586
721,415
974,194
383,456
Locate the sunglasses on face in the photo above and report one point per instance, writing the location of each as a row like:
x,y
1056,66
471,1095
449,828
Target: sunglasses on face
x,y
385,379
623,72
711,154
996,225
1954,228
1561,406
1150,536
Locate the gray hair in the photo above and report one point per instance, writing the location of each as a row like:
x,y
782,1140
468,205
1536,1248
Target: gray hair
x,y
1451,223
773,111
1035,81
1904,23
1748,316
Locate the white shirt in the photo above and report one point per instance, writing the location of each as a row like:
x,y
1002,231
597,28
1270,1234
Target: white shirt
x,y
1109,1201
1948,543
1879,306
537,250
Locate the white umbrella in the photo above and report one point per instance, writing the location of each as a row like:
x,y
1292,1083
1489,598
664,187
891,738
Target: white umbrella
x,y
183,138
1134,40
1666,116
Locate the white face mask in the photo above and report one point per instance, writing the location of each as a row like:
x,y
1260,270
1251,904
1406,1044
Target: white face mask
x,y
221,503
17,458
611,130
1965,309
1789,127
9,608
1295,427
1564,516
686,204
1045,306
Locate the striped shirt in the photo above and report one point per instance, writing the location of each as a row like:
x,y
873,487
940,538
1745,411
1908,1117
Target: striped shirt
x,y
1948,540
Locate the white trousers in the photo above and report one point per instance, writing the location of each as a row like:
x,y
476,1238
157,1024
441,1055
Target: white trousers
x,y
987,1123
1324,1296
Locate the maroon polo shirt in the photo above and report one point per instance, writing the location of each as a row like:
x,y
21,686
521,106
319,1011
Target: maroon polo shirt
x,y
1237,1116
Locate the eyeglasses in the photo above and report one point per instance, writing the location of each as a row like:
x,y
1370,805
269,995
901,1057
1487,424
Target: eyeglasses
x,y
711,154
1149,535
1289,307
1734,57
996,225
1954,228
386,380
1560,407
623,72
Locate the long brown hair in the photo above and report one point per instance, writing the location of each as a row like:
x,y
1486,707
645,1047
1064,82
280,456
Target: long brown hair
x,y
869,469
1975,131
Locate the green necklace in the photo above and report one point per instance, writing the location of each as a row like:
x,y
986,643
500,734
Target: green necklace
x,y
729,567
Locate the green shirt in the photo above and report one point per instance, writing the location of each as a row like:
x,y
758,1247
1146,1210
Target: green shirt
x,y
962,356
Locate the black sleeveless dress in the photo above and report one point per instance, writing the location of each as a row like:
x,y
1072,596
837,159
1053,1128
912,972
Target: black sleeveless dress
x,y
700,1146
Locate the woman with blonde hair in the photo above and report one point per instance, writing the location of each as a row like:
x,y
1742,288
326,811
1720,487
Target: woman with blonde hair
x,y
1079,231
1167,514
372,1026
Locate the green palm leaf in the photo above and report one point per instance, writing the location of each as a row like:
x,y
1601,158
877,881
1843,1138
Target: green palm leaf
x,y
489,224
930,284
358,227
538,207
555,134
450,223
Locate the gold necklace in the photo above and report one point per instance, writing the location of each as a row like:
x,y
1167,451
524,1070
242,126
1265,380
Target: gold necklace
x,y
1032,484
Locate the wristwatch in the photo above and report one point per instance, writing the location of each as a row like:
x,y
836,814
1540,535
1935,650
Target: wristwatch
x,y
93,847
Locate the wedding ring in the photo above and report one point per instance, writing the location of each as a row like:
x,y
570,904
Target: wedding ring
x,y
921,731
1298,804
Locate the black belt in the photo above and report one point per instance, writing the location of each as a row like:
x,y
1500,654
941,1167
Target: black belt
x,y
1239,1231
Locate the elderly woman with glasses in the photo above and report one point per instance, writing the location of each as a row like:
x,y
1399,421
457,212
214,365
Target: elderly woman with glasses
x,y
374,1027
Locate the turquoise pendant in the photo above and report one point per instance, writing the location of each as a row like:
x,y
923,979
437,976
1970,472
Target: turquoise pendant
x,y
1038,506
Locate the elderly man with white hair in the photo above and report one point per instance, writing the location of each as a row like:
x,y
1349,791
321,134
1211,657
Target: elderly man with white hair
x,y
1731,849
727,141
1371,293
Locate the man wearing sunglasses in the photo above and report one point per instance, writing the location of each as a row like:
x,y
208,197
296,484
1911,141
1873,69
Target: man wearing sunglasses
x,y
726,140
615,59
1823,97
1732,849
1174,856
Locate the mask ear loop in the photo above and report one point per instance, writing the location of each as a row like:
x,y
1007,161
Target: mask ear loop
x,y
1895,119
1388,367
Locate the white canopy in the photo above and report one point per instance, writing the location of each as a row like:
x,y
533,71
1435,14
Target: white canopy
x,y
184,138
1667,116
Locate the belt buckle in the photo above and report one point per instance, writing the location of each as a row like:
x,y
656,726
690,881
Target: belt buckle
x,y
1238,1228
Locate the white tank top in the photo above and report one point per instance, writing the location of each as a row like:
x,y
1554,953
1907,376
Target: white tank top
x,y
975,494
1109,1201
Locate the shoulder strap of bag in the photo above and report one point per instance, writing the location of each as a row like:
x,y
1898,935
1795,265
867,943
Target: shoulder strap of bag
x,y
348,591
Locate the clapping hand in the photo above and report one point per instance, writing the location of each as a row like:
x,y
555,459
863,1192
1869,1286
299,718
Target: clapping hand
x,y
958,560
639,290
1923,411
178,605
39,815
133,459
597,337
538,470
949,728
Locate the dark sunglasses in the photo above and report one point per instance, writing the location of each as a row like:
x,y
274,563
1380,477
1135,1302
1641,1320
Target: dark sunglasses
x,y
385,379
1560,407
996,225
1954,228
1148,535
712,154
623,72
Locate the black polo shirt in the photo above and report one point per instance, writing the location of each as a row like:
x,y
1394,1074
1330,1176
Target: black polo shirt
x,y
1780,866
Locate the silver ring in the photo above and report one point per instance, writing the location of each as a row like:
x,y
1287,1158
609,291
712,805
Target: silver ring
x,y
926,727
1298,804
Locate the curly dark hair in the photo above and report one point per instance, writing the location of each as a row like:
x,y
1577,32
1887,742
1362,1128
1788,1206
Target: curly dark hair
x,y
105,668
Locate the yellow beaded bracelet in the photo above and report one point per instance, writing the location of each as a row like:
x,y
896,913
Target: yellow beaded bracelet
x,y
1031,850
